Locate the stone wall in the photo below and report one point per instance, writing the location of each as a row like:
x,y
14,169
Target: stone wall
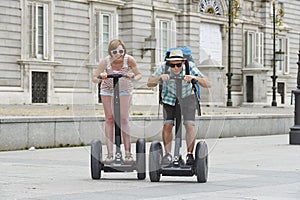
x,y
25,132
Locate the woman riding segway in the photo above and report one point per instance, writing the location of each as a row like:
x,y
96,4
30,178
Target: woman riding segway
x,y
116,73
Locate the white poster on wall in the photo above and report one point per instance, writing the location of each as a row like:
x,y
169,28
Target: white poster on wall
x,y
210,42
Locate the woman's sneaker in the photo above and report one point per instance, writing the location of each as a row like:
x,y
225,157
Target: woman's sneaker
x,y
128,159
190,159
167,159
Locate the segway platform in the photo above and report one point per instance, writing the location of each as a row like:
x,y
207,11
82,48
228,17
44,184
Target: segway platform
x,y
119,166
178,167
183,170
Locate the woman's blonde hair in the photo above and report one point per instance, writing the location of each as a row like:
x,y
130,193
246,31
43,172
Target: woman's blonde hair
x,y
114,44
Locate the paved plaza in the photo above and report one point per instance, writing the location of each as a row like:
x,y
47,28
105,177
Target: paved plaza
x,y
247,168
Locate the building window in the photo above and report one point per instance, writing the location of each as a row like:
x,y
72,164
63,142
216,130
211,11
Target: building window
x,y
250,48
38,30
104,33
254,48
39,87
282,44
164,38
281,91
259,48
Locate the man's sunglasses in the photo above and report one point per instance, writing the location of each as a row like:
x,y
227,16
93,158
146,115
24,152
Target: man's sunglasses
x,y
120,51
175,65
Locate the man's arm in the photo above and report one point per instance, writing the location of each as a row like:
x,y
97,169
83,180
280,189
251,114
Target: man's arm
x,y
154,78
203,81
196,74
153,81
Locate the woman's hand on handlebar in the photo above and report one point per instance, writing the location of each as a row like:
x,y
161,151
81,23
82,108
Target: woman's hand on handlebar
x,y
103,75
130,75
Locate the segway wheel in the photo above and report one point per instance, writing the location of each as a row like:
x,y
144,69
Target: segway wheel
x,y
96,157
141,159
201,162
155,157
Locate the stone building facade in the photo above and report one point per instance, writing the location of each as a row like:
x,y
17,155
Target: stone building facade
x,y
50,48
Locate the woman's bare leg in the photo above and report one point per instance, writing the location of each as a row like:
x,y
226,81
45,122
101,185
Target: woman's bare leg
x,y
125,102
109,122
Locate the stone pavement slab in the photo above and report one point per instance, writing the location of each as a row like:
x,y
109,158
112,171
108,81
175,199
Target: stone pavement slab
x,y
262,167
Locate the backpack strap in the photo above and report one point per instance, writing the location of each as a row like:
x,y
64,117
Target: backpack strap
x,y
167,68
195,86
187,67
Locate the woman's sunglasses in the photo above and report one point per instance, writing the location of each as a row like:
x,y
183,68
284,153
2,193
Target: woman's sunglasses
x,y
175,65
120,51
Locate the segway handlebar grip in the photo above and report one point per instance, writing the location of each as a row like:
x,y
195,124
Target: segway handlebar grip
x,y
117,75
194,81
114,76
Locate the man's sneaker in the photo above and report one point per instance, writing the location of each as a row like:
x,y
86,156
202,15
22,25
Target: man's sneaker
x,y
109,158
190,159
167,159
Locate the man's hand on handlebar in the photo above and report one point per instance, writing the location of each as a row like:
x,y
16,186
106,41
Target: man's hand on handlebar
x,y
165,77
186,78
189,78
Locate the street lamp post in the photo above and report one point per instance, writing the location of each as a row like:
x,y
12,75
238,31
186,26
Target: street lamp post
x,y
229,74
277,18
233,8
274,77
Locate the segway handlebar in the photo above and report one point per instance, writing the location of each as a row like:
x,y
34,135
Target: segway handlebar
x,y
114,76
193,82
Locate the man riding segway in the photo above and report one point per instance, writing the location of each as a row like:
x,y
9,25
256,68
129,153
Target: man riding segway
x,y
175,68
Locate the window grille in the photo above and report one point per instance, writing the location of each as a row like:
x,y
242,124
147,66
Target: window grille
x,y
39,87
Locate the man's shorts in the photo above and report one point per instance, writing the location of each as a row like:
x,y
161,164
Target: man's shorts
x,y
188,110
